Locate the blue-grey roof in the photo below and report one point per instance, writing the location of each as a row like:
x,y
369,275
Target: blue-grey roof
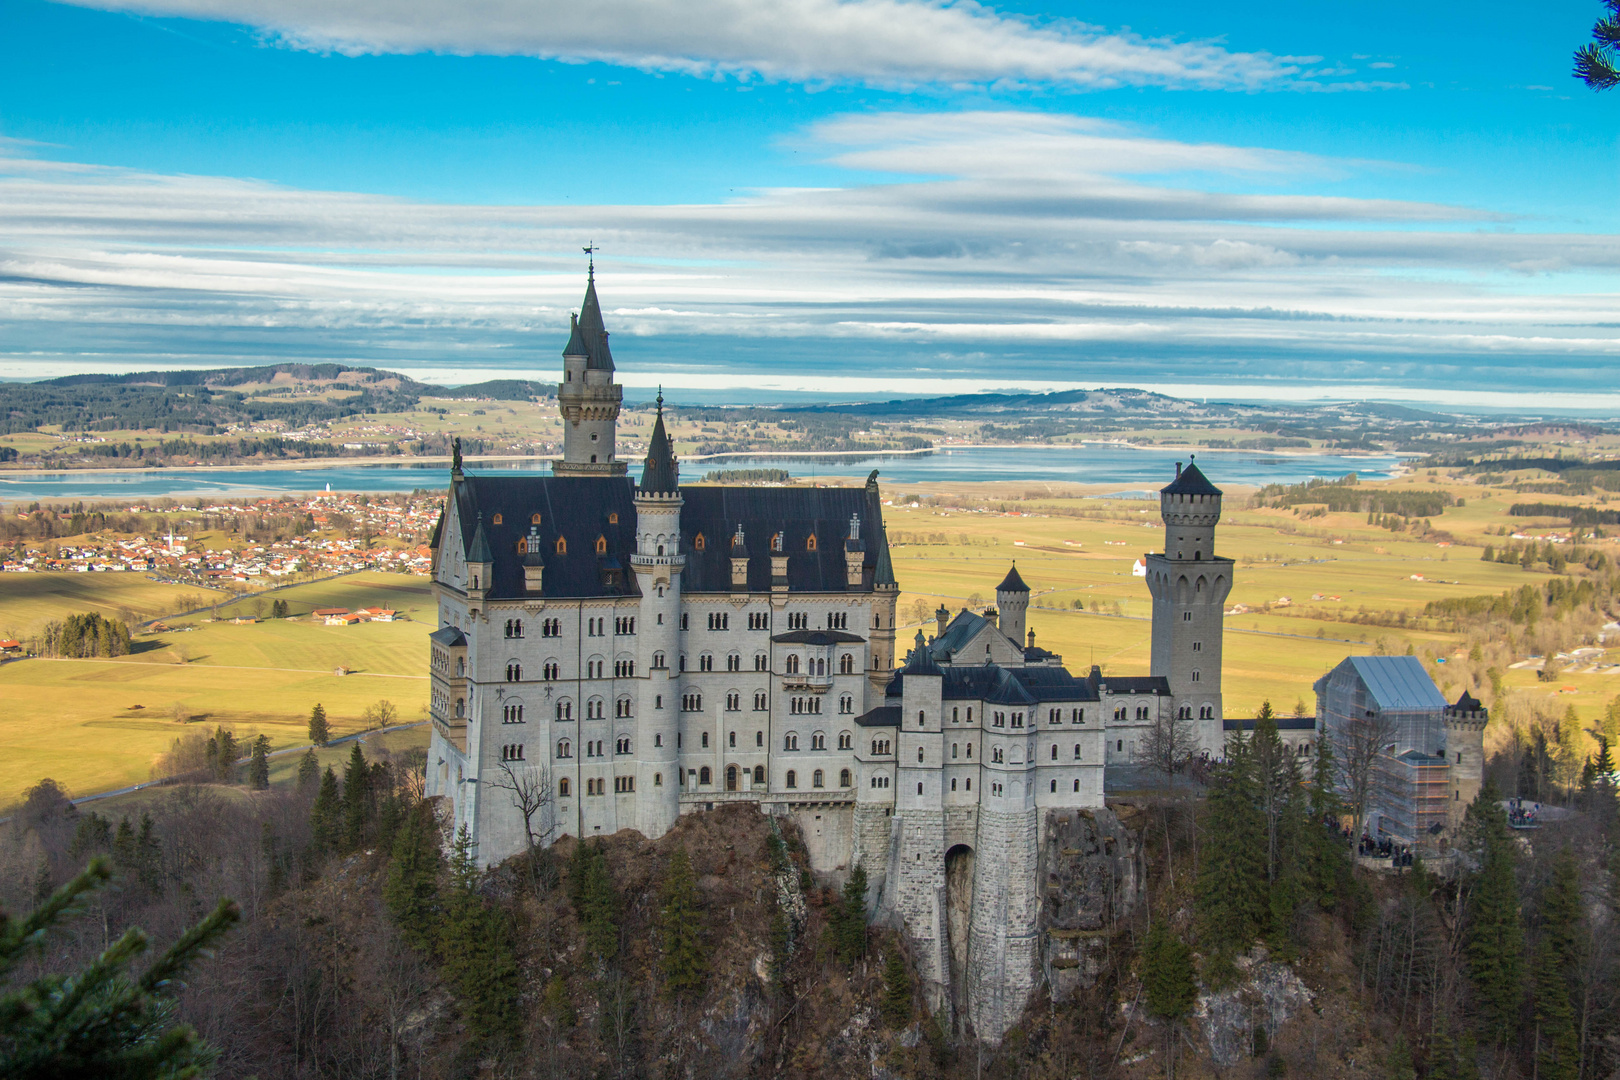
x,y
449,636
1398,683
1284,723
1189,481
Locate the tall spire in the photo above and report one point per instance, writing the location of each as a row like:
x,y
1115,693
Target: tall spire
x,y
661,475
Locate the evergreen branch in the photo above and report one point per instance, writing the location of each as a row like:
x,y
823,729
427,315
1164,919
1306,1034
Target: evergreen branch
x,y
1593,67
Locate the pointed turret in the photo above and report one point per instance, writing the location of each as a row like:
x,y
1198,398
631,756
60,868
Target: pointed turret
x,y
661,474
1012,582
592,330
1012,603
588,397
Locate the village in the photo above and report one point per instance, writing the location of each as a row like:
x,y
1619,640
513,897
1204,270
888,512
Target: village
x,y
225,542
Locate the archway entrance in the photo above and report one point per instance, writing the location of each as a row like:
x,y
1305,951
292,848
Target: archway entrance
x,y
958,920
731,778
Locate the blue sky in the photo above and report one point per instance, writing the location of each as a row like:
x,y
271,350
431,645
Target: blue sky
x,y
815,196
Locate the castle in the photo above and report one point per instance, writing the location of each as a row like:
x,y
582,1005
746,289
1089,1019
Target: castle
x,y
611,654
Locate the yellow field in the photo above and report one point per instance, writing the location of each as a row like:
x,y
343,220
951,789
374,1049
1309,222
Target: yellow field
x,y
405,593
28,601
77,721
1276,653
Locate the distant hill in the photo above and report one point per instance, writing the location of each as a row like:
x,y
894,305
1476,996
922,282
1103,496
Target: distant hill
x,y
203,401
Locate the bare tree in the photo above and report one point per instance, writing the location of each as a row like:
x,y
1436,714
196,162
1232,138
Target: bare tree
x,y
530,788
1167,745
1359,743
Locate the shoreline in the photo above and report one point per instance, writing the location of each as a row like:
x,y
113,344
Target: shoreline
x,y
421,461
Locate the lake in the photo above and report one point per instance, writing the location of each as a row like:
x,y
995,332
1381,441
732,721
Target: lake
x,y
1136,470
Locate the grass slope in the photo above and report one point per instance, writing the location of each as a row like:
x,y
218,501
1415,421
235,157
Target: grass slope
x,y
28,601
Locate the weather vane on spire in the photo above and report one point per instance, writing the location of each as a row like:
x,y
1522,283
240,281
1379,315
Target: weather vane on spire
x,y
590,250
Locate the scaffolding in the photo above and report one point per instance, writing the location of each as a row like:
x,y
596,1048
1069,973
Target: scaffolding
x,y
1412,796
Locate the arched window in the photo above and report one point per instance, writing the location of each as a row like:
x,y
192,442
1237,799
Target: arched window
x,y
601,545
731,778
843,778
496,520
816,779
759,774
705,776
534,519
790,741
514,672
658,660
818,741
792,779
563,788
565,749
565,709
922,718
613,518
810,543
562,546
793,663
846,740
846,664
700,542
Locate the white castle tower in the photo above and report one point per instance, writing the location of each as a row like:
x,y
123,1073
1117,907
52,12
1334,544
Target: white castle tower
x,y
1190,583
657,564
588,397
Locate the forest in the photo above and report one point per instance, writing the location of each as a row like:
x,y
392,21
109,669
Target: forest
x,y
359,939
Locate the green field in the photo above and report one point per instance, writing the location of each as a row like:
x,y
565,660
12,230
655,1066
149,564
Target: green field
x,y
93,725
28,601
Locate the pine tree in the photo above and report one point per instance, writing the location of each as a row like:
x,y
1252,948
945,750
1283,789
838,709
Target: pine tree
x,y
43,884
600,908
148,855
226,754
259,766
319,732
123,846
1232,898
850,931
1167,974
1399,1065
309,772
325,814
356,797
896,1005
1557,960
100,1021
1326,848
477,957
411,890
680,919
1495,938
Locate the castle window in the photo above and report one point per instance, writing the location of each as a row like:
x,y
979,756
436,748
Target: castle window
x,y
919,791
706,662
818,741
846,741
658,779
1054,751
496,520
846,664
565,749
919,755
759,701
790,741
601,545
792,779
613,518
843,778
1054,787
733,704
810,544
623,784
954,748
921,719
759,774
1119,745
846,705
1076,751
511,714
705,775
514,672
970,714
953,783
562,546
705,740
793,663
816,779
565,709
734,662
658,660
563,788
699,542
1195,676
970,751
512,752
534,519
1077,784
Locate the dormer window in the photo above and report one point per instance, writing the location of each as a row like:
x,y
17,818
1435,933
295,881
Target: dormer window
x,y
495,520
613,518
810,543
699,542
601,545
562,546
534,519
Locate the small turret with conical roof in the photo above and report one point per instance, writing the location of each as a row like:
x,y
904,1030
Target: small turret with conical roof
x,y
660,474
1191,508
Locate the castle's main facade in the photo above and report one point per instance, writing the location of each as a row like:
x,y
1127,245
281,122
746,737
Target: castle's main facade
x,y
611,655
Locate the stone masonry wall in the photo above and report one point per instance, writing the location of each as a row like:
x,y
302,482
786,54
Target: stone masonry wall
x,y
1002,969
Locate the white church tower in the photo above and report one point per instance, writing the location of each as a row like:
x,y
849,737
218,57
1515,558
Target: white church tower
x,y
1190,583
657,564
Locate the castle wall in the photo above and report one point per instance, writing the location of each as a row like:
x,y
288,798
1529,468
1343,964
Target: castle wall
x,y
1003,945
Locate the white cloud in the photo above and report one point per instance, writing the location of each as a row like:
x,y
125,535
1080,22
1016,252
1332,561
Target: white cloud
x,y
1047,254
874,41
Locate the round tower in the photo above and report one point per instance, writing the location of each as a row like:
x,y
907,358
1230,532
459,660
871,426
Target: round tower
x,y
1012,605
1190,583
657,565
